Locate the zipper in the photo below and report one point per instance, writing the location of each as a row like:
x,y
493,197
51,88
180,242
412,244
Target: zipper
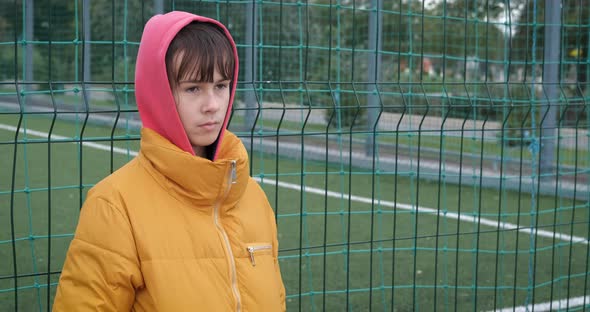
x,y
232,179
253,249
234,174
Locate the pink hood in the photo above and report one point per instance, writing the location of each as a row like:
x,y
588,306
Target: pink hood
x,y
155,101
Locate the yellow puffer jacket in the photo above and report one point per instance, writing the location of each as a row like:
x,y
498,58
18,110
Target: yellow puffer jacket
x,y
173,232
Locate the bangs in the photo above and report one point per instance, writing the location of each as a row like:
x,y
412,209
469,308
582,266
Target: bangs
x,y
196,51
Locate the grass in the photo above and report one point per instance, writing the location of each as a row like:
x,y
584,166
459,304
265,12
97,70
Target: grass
x,y
336,252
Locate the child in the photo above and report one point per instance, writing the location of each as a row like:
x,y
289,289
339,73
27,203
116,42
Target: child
x,y
182,227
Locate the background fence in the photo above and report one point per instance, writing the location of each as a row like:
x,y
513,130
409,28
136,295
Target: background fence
x,y
420,155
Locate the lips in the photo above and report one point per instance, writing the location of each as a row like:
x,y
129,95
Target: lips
x,y
209,126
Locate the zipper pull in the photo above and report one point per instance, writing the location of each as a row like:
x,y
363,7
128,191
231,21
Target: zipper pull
x,y
251,250
234,174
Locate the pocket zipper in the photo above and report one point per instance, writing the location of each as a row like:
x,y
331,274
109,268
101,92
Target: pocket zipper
x,y
253,249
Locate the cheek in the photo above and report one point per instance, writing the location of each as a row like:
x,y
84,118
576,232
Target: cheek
x,y
182,109
226,102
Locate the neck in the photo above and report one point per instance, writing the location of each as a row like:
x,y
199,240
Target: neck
x,y
200,151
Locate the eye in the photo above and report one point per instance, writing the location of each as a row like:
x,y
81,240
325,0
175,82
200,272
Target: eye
x,y
222,86
192,89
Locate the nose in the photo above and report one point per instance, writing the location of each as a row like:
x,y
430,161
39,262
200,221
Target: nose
x,y
211,103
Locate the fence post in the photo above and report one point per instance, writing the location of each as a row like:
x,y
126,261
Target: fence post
x,y
373,75
158,6
86,26
551,56
250,62
29,33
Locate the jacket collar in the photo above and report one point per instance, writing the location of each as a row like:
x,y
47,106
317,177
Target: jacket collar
x,y
195,180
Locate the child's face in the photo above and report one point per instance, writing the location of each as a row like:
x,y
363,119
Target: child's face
x,y
202,107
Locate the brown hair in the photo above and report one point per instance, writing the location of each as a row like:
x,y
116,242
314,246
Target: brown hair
x,y
204,48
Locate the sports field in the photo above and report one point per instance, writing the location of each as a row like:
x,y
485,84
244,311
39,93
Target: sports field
x,y
350,238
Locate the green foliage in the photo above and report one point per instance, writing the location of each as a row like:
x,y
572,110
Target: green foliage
x,y
322,42
529,35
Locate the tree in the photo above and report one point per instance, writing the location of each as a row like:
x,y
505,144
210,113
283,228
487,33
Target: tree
x,y
528,40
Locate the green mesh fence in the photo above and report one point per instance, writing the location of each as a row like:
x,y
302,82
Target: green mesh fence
x,y
419,155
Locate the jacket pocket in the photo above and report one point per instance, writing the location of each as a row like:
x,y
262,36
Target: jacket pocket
x,y
256,249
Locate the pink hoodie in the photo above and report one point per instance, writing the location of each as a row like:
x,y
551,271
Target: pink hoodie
x,y
152,91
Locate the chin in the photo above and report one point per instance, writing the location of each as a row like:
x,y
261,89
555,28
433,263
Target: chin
x,y
198,138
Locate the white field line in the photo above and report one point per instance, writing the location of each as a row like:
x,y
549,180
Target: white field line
x,y
450,215
365,200
45,135
559,305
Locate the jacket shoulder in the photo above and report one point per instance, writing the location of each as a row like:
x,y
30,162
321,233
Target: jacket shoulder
x,y
257,203
253,189
119,182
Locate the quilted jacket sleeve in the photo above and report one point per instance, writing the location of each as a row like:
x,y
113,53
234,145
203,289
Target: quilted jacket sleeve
x,y
101,271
